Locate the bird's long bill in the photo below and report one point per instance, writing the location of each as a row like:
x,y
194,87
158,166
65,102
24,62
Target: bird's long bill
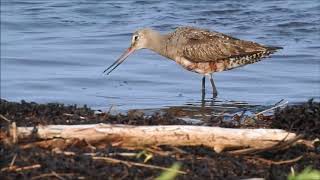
x,y
119,61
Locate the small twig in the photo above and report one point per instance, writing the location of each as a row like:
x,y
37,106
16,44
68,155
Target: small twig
x,y
15,168
68,114
307,143
110,109
4,118
13,132
279,102
278,162
124,154
70,153
89,145
279,146
128,163
52,174
158,152
242,151
12,161
179,150
57,175
67,153
272,108
35,166
283,144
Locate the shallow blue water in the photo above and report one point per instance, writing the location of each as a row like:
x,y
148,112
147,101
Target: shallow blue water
x,y
57,50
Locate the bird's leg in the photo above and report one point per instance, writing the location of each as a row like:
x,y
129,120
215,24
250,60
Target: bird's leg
x,y
214,89
203,88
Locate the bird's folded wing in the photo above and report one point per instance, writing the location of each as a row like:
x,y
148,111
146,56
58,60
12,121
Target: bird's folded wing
x,y
204,46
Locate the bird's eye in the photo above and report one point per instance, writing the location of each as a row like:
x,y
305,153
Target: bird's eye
x,y
135,38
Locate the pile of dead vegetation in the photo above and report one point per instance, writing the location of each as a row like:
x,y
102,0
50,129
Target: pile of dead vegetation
x,y
81,160
31,114
302,119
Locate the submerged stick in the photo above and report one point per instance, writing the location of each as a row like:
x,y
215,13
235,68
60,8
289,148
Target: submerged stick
x,y
278,105
175,135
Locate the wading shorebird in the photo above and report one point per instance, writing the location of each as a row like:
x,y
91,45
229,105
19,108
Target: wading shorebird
x,y
198,50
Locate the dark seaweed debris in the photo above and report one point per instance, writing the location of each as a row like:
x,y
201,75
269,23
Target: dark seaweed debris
x,y
301,119
198,162
31,114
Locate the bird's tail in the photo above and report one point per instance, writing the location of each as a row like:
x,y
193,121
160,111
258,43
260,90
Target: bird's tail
x,y
251,58
273,49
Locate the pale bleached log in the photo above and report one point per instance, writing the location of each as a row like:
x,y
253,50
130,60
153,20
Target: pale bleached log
x,y
175,135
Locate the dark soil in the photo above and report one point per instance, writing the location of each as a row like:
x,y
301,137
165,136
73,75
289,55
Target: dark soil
x,y
198,162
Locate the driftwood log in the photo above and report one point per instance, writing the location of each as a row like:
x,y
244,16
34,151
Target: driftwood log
x,y
175,135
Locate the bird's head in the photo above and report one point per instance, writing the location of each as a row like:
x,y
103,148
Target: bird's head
x,y
140,40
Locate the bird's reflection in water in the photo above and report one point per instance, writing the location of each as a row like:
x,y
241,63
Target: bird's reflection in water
x,y
201,112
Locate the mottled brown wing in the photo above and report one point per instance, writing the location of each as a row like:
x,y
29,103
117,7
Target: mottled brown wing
x,y
204,46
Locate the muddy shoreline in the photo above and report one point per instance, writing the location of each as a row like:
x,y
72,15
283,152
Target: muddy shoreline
x,y
197,162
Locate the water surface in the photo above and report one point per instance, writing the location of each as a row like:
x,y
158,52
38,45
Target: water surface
x,y
55,51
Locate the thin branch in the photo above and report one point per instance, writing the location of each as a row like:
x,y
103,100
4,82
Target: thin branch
x,y
272,108
53,174
15,168
278,162
124,154
158,152
178,150
57,176
13,132
279,102
279,146
12,161
70,153
4,118
128,163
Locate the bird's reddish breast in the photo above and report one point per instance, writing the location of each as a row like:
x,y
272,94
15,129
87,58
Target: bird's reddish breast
x,y
203,67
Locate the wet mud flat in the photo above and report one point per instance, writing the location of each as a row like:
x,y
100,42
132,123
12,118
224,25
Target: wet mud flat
x,y
76,161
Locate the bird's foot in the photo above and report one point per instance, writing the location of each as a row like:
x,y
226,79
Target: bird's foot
x,y
214,95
